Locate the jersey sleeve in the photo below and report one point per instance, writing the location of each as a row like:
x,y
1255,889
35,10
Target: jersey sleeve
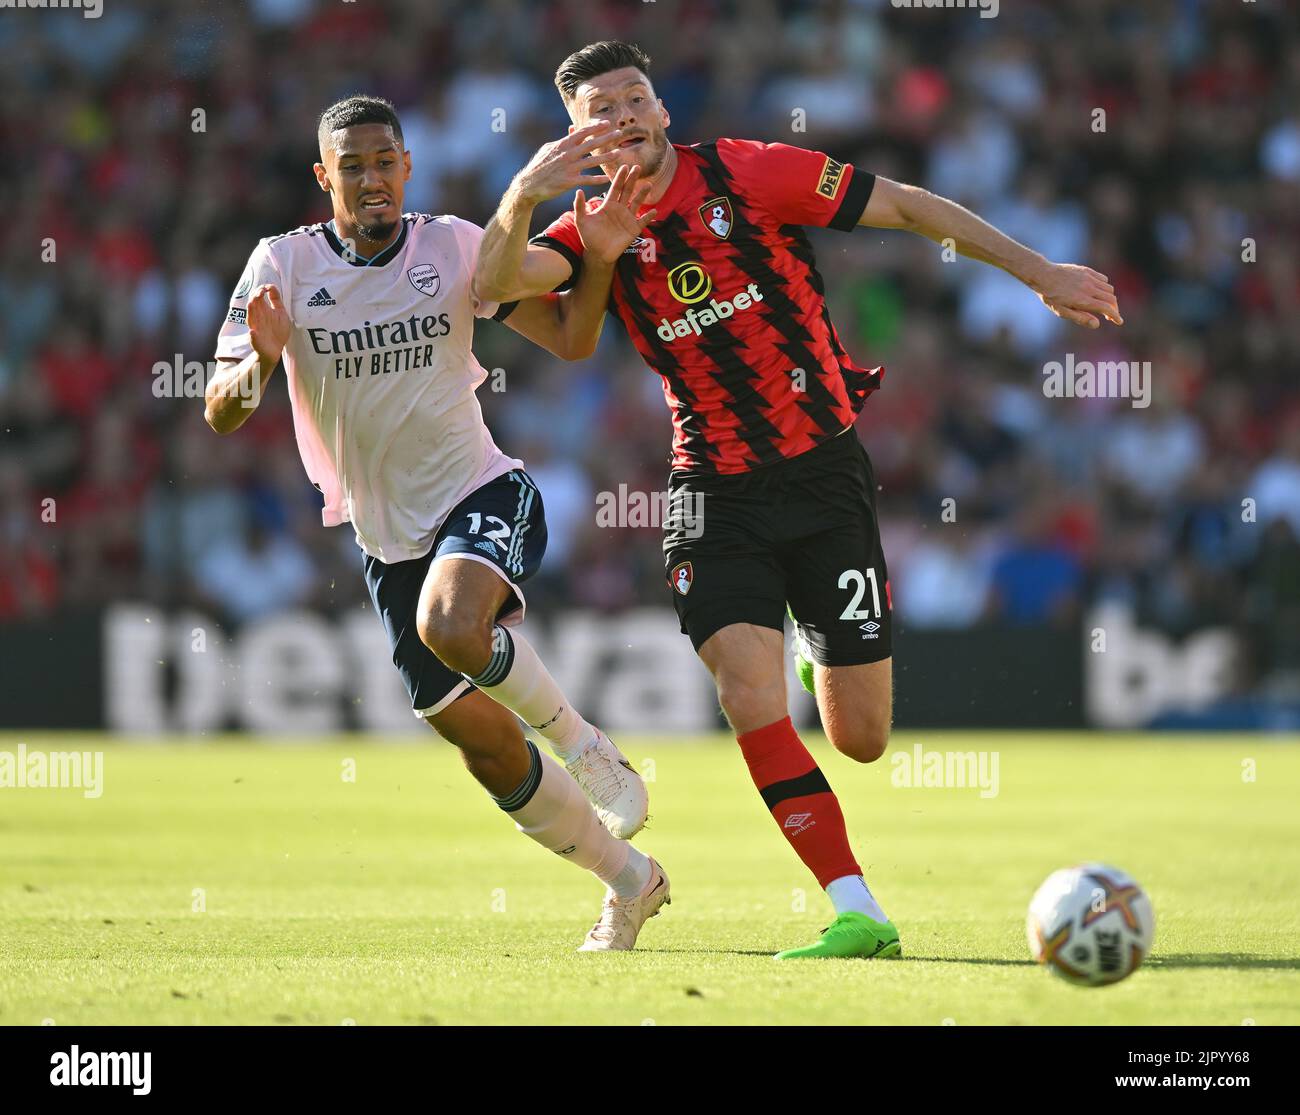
x,y
234,341
798,186
561,235
468,239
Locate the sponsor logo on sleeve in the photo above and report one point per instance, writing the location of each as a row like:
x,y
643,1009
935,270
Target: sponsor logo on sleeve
x,y
832,175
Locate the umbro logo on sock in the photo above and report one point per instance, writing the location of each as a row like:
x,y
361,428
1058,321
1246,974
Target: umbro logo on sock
x,y
321,298
797,822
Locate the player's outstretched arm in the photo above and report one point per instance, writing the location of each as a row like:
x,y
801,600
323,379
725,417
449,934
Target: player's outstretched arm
x,y
508,267
1078,294
235,391
569,324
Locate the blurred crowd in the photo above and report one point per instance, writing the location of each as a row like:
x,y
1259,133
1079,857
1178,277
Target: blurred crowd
x,y
1157,142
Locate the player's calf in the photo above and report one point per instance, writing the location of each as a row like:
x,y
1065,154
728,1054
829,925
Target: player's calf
x,y
457,612
857,708
549,807
489,739
863,743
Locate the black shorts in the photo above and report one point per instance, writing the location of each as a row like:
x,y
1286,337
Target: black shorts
x,y
737,549
502,524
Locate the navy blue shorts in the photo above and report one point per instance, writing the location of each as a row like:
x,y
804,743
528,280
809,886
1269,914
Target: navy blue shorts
x,y
501,524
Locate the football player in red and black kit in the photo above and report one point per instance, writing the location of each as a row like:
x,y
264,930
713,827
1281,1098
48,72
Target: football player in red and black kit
x,y
771,493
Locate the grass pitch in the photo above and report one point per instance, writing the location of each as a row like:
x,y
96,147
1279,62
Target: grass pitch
x,y
229,883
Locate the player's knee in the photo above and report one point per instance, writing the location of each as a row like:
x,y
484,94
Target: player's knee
x,y
461,643
864,743
745,700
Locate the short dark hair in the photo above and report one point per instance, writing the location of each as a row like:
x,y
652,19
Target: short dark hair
x,y
360,108
595,59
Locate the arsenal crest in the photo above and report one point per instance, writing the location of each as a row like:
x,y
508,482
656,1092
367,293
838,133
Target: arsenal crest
x,y
682,577
716,215
424,277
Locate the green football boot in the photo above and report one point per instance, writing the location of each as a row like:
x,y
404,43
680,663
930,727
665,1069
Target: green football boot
x,y
802,663
849,935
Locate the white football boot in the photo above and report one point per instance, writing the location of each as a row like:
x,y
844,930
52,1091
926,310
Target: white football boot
x,y
616,792
621,919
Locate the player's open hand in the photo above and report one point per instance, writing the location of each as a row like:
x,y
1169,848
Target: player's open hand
x,y
1078,294
269,325
565,164
611,228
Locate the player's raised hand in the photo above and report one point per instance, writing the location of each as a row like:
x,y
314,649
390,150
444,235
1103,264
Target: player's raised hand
x,y
615,225
565,164
269,325
1078,294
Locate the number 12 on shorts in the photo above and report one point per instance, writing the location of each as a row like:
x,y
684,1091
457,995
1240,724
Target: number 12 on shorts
x,y
853,579
500,534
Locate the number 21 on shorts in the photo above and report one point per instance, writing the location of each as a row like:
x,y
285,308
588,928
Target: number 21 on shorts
x,y
854,580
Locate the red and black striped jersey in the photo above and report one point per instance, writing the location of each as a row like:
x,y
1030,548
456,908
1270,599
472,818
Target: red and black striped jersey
x,y
722,298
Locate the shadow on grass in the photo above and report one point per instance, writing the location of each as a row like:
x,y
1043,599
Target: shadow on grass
x,y
713,952
1223,960
888,960
997,961
1175,960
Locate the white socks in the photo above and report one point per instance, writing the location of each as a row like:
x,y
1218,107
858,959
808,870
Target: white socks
x,y
849,893
516,678
550,807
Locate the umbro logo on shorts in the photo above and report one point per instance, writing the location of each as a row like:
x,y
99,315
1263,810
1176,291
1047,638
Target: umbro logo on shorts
x,y
870,629
321,298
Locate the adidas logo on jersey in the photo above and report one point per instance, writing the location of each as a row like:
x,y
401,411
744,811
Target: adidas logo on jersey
x,y
321,298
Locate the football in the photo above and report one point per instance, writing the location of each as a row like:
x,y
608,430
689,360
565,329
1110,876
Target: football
x,y
1092,925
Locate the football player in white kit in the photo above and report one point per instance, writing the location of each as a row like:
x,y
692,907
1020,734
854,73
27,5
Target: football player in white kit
x,y
373,314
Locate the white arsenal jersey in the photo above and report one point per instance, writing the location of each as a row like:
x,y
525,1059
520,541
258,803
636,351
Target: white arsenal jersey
x,y
381,375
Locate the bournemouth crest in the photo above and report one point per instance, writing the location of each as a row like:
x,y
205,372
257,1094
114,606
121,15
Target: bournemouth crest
x,y
716,215
682,577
